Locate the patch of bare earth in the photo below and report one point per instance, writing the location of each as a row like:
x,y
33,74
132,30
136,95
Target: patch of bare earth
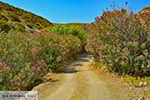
x,y
116,82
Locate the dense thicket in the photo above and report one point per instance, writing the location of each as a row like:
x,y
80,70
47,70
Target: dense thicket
x,y
122,42
76,30
26,58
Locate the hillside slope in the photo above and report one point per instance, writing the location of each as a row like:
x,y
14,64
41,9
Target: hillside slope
x,y
145,9
18,19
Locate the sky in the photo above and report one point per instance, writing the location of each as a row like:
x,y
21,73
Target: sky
x,y
68,11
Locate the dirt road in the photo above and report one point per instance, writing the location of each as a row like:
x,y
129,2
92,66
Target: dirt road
x,y
79,83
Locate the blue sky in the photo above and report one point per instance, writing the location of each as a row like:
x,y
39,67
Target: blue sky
x,y
67,11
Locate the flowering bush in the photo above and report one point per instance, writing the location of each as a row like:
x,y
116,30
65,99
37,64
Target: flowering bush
x,y
56,49
122,42
25,58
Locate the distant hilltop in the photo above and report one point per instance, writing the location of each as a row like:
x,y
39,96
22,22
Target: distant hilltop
x,y
12,18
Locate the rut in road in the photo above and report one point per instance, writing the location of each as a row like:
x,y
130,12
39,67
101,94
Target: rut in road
x,y
79,83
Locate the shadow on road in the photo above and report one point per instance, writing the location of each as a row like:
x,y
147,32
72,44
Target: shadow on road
x,y
84,58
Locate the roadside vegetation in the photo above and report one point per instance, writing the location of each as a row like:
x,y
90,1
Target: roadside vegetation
x,y
25,57
29,50
31,46
121,41
73,30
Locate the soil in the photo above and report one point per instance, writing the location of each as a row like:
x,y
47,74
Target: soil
x,y
79,82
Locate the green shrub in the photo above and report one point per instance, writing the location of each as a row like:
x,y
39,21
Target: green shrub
x,y
20,28
76,31
5,27
70,30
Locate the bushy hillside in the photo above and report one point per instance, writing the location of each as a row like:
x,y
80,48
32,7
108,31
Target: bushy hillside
x,y
12,18
146,9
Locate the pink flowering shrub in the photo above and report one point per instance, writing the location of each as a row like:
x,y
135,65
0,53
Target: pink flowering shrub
x,y
25,58
121,40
